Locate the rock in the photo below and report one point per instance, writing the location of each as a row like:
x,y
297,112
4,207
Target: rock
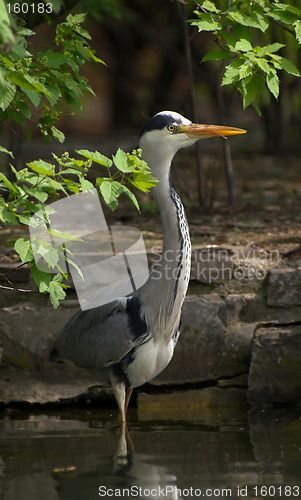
x,y
52,383
275,365
283,287
237,381
211,265
231,311
207,350
255,310
28,331
215,346
220,264
192,404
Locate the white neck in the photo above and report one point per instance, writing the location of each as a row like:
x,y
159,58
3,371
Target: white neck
x,y
163,295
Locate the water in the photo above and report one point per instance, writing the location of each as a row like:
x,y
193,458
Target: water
x,y
80,455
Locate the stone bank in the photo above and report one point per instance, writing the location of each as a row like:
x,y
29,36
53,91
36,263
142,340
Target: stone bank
x,y
248,342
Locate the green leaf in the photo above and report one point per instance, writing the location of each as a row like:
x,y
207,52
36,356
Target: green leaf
x,y
4,150
121,161
259,21
24,249
94,58
7,34
272,47
85,184
41,278
245,70
254,20
111,190
206,22
229,39
131,195
287,65
37,192
241,32
54,91
273,83
297,25
42,167
243,45
215,55
288,8
8,183
25,32
264,65
7,216
143,181
33,97
74,20
251,88
8,91
57,134
106,189
56,291
75,266
50,183
49,252
26,82
64,236
209,6
284,16
232,73
54,59
81,31
97,157
22,106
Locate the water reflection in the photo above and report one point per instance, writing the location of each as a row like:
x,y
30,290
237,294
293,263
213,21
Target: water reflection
x,y
85,456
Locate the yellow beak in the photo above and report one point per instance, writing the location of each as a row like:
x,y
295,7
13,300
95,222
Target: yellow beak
x,y
203,131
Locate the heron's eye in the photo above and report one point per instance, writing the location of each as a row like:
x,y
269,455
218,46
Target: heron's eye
x,y
171,128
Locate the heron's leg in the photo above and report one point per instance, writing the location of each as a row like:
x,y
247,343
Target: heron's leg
x,y
120,396
127,399
119,392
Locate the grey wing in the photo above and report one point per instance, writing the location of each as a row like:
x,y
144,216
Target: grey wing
x,y
99,337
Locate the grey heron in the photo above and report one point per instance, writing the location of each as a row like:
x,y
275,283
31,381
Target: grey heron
x,y
131,340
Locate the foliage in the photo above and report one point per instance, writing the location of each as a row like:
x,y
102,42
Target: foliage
x,y
34,85
240,29
42,181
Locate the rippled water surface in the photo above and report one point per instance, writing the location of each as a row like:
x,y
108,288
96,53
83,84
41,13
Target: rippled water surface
x,y
83,455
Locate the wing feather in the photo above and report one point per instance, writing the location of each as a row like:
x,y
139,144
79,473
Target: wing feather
x,y
101,336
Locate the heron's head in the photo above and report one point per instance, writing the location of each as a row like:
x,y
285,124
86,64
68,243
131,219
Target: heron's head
x,y
167,132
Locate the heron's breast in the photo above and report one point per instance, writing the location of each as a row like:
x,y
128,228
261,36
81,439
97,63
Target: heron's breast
x,y
149,360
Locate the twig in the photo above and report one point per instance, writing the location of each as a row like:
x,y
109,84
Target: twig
x,y
226,145
12,286
193,105
13,269
17,289
281,25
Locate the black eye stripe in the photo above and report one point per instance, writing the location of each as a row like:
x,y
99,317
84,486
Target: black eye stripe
x,y
161,121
